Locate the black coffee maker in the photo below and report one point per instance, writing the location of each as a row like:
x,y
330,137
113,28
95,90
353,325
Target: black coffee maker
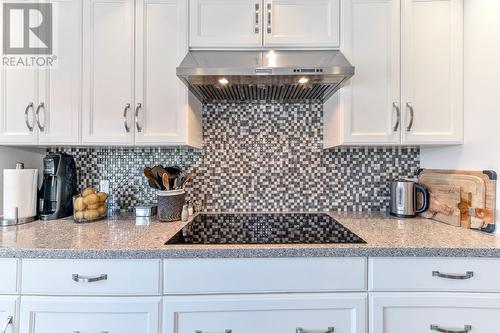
x,y
58,188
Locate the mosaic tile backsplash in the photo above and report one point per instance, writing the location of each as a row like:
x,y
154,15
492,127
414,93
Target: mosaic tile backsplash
x,y
257,157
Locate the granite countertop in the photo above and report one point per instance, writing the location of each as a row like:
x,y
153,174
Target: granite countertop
x,y
384,236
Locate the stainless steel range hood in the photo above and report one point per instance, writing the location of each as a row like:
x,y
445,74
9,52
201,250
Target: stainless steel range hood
x,y
264,75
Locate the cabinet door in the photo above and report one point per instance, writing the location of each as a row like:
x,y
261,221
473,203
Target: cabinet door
x,y
161,98
60,87
302,23
8,305
371,101
108,71
344,313
225,23
432,79
433,312
18,98
77,314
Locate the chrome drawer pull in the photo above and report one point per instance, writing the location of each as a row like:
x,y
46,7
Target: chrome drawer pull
x,y
395,105
125,118
466,276
301,330
88,279
8,322
37,113
269,14
227,330
26,117
137,109
467,329
409,106
257,15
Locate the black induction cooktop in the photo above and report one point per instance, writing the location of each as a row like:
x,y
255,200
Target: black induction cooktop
x,y
273,228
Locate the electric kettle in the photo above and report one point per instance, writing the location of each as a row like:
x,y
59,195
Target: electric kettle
x,y
404,198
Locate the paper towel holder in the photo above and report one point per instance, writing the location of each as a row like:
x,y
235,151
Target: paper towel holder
x,y
16,220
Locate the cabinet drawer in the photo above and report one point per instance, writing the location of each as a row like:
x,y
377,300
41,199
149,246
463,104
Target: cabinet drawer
x,y
8,276
84,314
266,313
8,318
417,312
196,276
91,277
434,274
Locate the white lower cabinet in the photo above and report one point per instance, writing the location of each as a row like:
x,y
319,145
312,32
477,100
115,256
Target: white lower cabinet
x,y
340,313
403,295
8,306
8,276
434,312
89,315
275,275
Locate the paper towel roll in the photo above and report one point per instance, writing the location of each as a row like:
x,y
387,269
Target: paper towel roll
x,y
19,190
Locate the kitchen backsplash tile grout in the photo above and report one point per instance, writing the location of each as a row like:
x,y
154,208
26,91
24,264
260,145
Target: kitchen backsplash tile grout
x,y
258,156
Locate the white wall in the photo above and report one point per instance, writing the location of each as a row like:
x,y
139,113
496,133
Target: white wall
x,y
482,95
32,159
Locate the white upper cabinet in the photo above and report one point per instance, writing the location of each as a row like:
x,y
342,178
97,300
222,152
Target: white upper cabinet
x,y
408,85
257,23
42,104
302,23
369,104
59,105
108,71
18,98
161,98
432,90
131,91
225,23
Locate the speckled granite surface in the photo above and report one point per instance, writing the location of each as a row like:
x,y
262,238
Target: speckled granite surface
x,y
385,236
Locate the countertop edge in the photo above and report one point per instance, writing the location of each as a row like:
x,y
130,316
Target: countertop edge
x,y
244,253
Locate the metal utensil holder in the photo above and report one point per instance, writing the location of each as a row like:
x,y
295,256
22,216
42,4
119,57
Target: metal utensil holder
x,y
16,221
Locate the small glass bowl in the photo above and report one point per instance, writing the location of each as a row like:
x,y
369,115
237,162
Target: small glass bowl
x,y
88,209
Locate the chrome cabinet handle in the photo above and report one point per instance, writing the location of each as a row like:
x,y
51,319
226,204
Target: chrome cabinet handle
x,y
8,322
269,21
40,107
26,118
395,105
301,330
467,328
412,115
227,330
125,122
89,279
466,276
138,107
257,15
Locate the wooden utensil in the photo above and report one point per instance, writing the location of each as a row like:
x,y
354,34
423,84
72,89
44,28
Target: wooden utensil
x,y
186,179
158,171
166,181
153,182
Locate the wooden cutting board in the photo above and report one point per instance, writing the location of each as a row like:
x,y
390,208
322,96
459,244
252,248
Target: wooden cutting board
x,y
477,196
444,204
